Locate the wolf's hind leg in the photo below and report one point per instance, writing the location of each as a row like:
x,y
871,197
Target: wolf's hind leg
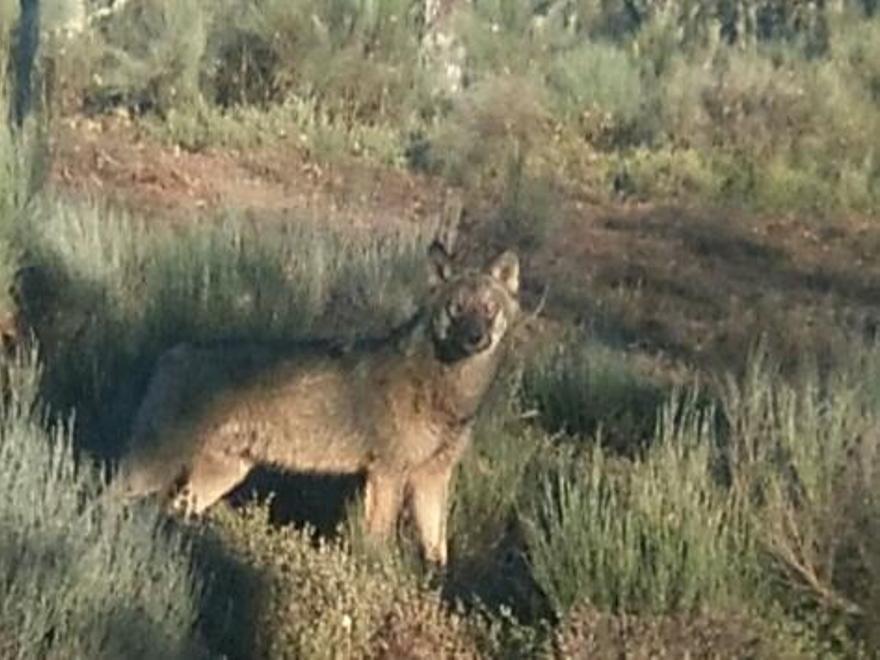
x,y
213,474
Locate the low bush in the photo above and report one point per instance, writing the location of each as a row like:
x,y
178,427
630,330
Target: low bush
x,y
653,534
82,576
582,387
590,632
317,600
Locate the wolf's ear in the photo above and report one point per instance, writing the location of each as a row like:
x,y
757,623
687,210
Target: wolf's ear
x,y
505,269
440,263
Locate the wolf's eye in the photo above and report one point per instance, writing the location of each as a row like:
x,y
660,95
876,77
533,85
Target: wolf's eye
x,y
490,308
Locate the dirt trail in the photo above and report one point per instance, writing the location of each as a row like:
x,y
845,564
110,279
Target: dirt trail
x,y
693,285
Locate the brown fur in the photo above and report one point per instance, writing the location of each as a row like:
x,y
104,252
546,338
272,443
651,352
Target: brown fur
x,y
399,410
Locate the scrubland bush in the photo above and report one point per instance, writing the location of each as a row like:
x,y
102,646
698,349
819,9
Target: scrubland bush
x,y
350,55
783,90
598,87
149,55
82,576
581,387
803,461
317,600
654,534
498,121
766,507
591,632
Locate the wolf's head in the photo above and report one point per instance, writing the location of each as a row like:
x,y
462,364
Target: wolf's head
x,y
473,309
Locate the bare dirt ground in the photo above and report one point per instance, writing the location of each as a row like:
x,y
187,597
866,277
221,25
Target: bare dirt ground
x,y
111,157
684,285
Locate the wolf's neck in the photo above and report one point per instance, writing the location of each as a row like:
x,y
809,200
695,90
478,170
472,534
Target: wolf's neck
x,y
461,386
410,330
456,388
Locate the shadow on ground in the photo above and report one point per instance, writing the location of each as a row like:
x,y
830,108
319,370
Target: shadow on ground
x,y
319,501
702,286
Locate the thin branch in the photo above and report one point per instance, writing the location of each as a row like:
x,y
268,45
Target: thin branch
x,y
535,313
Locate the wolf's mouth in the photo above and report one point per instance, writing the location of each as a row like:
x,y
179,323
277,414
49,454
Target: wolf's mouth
x,y
464,341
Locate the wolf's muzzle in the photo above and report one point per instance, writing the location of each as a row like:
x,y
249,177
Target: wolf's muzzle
x,y
472,333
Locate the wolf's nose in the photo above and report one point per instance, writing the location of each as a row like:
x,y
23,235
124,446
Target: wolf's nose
x,y
472,333
474,337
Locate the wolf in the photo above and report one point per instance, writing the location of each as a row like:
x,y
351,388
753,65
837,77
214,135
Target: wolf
x,y
398,409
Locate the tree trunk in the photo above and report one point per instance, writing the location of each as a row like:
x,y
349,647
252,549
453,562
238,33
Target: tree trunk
x,y
442,53
25,52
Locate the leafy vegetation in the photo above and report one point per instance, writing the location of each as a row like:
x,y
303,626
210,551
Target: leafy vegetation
x,y
758,103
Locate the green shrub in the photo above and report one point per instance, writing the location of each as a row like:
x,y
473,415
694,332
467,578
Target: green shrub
x,y
599,88
82,576
803,461
356,59
654,535
581,387
497,38
497,123
317,600
854,49
149,57
680,174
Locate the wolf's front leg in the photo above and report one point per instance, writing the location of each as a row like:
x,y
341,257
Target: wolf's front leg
x,y
429,494
382,502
